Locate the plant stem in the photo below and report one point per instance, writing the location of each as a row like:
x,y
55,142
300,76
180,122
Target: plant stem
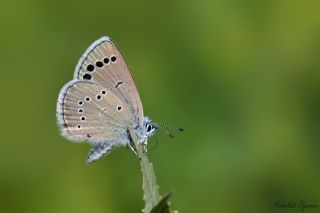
x,y
150,188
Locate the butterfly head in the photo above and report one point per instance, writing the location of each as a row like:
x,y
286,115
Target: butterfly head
x,y
149,128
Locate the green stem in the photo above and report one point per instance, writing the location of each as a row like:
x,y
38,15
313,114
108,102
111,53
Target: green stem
x,y
150,188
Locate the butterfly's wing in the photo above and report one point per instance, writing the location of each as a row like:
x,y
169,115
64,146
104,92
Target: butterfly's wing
x,y
104,64
98,151
89,112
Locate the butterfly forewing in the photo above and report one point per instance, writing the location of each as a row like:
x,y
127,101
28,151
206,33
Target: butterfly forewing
x,y
104,65
90,112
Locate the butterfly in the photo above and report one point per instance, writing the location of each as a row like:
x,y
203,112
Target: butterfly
x,y
101,105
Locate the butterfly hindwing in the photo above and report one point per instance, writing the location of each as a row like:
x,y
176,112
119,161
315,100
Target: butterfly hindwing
x,y
89,112
104,65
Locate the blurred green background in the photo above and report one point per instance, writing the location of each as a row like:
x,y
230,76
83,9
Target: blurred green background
x,y
242,78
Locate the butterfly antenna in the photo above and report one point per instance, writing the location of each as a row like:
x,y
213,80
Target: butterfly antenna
x,y
165,130
162,125
170,126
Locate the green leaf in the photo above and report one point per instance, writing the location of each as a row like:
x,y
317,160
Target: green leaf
x,y
163,205
153,202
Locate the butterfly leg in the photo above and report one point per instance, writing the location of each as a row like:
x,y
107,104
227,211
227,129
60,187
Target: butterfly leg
x,y
98,151
145,148
131,147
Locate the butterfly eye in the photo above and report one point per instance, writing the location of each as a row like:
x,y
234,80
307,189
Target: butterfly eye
x,y
149,127
113,58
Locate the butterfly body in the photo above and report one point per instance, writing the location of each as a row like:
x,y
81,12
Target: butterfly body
x,y
101,105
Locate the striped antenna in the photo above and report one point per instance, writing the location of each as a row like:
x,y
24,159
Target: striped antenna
x,y
170,126
162,125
